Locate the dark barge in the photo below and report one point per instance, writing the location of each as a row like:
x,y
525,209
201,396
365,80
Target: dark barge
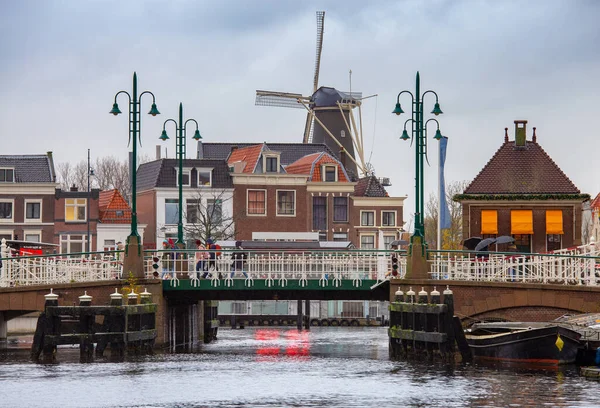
x,y
532,343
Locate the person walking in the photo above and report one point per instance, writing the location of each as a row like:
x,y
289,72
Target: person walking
x,y
214,253
201,257
238,259
167,260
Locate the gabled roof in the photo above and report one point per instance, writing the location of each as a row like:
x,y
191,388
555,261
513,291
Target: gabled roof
x,y
31,168
521,170
162,173
596,202
290,152
113,208
311,166
248,155
370,187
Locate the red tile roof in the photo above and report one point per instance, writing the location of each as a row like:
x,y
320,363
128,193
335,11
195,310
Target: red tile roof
x,y
249,155
113,208
596,202
521,170
311,165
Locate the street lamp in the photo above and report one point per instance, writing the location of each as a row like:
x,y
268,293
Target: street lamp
x,y
181,128
419,138
90,172
135,106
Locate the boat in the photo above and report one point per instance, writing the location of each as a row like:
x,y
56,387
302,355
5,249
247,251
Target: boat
x,y
536,343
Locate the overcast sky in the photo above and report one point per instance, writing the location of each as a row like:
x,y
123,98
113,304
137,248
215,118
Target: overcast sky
x,y
490,62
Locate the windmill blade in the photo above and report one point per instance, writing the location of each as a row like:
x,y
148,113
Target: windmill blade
x,y
320,24
280,99
309,127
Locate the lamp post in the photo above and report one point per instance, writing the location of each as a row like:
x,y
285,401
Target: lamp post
x,y
90,172
417,267
134,262
181,128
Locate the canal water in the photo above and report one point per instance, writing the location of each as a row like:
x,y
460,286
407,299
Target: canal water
x,y
282,367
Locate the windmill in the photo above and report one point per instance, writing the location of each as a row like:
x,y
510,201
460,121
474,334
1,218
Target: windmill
x,y
332,110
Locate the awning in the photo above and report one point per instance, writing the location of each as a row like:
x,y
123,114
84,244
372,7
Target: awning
x,y
489,222
554,222
521,222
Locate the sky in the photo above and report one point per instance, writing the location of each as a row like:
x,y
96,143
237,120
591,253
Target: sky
x,y
490,62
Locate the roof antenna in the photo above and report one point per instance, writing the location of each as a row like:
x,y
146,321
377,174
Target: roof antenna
x,y
350,78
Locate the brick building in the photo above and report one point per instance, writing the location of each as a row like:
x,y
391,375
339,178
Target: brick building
x,y
522,192
75,213
27,187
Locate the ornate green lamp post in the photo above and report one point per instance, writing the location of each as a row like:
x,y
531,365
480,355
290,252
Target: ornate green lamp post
x,y
417,265
130,264
181,128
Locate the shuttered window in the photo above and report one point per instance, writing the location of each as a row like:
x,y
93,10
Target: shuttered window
x,y
489,222
521,222
554,222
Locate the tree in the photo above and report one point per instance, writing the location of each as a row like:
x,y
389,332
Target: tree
x,y
206,217
451,238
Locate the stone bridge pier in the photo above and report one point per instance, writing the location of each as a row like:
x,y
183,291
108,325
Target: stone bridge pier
x,y
510,301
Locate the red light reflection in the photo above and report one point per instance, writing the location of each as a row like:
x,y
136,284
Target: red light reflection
x,y
297,343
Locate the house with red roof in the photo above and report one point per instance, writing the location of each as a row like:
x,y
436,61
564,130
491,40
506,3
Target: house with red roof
x,y
114,221
523,193
280,192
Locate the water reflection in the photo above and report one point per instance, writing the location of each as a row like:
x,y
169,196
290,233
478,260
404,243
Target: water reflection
x,y
282,367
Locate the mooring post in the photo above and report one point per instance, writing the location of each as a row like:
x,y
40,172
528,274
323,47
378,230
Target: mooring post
x,y
299,316
449,321
44,326
86,329
307,314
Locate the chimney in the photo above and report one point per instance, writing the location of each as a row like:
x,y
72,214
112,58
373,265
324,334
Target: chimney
x,y
200,150
51,163
520,132
157,152
343,157
534,138
73,188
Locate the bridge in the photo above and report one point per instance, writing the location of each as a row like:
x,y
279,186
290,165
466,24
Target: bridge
x,y
505,286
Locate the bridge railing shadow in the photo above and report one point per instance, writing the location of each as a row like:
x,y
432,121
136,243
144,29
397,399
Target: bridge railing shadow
x,y
573,266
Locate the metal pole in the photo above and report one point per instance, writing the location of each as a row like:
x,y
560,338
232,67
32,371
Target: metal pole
x,y
133,125
418,118
89,197
180,152
439,213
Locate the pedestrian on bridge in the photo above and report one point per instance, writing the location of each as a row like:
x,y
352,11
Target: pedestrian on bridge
x,y
238,259
201,257
168,260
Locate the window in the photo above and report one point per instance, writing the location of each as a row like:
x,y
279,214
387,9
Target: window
x,y
171,211
271,165
323,236
110,245
387,240
32,237
256,202
72,243
319,213
6,210
191,213
185,177
5,235
367,241
33,210
388,218
75,209
214,211
367,218
340,209
7,175
553,242
523,242
329,173
286,202
204,178
340,236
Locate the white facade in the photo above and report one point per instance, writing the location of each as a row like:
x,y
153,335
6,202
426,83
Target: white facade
x,y
164,229
109,234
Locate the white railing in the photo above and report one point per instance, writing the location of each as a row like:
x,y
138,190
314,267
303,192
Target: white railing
x,y
276,267
575,266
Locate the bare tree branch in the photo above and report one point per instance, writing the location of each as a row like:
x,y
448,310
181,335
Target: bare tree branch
x,y
451,238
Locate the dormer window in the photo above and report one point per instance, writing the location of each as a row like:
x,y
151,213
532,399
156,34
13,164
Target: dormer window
x,y
204,177
7,175
185,177
329,173
271,163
